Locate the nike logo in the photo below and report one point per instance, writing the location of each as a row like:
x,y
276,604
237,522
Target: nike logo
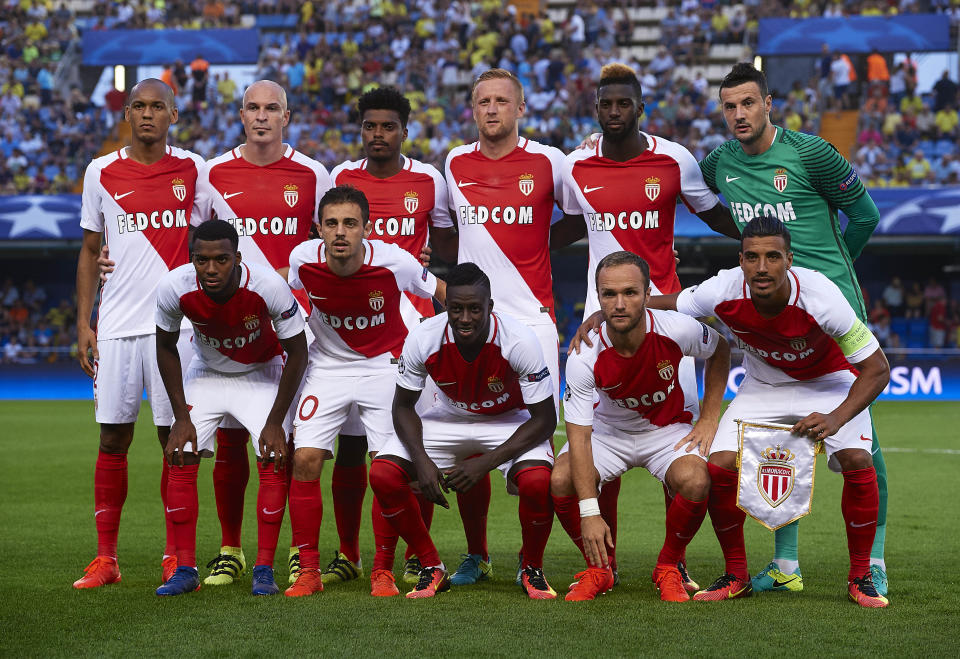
x,y
199,323
99,511
461,184
684,537
118,197
777,583
736,331
731,179
728,528
315,297
446,384
866,439
227,195
173,510
271,512
588,190
857,526
613,386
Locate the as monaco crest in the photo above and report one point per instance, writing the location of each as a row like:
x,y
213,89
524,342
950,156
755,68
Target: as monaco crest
x,y
526,184
411,201
798,344
665,370
495,384
775,475
179,189
290,194
251,322
652,188
376,300
780,179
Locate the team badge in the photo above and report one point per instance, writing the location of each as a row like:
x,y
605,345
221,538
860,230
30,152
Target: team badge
x,y
411,201
526,184
495,384
665,370
376,300
179,189
652,188
251,322
775,475
780,179
290,194
799,343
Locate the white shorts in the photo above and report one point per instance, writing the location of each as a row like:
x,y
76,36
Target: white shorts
x,y
449,438
353,426
247,397
127,366
326,401
616,451
550,343
788,403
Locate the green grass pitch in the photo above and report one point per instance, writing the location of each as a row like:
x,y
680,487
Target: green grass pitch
x,y
48,537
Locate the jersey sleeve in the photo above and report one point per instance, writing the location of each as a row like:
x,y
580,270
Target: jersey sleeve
x,y
527,361
694,338
324,183
411,275
701,300
829,172
579,394
203,198
412,369
298,256
568,195
838,319
169,314
693,187
708,168
91,215
283,307
440,215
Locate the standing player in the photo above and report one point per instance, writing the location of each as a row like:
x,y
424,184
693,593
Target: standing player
x,y
355,287
801,342
268,191
503,189
626,187
624,408
245,320
495,410
140,200
408,205
802,180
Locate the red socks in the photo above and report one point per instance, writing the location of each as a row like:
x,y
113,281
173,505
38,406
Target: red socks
x,y
170,548
728,519
182,508
684,518
349,486
426,512
399,507
536,513
231,471
271,502
607,500
667,500
384,537
859,504
568,512
306,512
109,493
474,506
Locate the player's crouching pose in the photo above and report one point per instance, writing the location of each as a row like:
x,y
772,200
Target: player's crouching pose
x,y
773,308
495,411
355,287
638,420
244,318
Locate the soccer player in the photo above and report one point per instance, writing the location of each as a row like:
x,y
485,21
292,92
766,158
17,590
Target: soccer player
x,y
803,181
624,408
503,189
495,410
408,206
802,341
355,288
269,192
626,188
140,199
250,356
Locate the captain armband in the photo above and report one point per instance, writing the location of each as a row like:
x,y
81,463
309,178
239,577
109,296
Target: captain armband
x,y
857,338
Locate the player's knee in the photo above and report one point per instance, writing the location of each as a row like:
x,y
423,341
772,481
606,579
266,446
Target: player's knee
x,y
534,482
386,476
308,463
561,484
115,437
351,450
724,459
697,485
854,458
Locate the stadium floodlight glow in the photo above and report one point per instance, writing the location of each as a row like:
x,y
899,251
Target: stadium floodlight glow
x,y
758,63
120,77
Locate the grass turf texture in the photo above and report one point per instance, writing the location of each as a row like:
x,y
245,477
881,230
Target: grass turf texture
x,y
48,537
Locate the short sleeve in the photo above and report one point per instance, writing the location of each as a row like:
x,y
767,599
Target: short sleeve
x,y
411,369
203,198
694,338
581,387
569,203
283,307
298,256
91,215
701,300
324,183
527,361
169,315
410,273
693,188
440,215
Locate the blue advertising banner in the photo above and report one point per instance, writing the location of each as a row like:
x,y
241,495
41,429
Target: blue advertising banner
x,y
855,34
143,47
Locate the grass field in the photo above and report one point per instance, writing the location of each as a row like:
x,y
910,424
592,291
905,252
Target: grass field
x,y
48,537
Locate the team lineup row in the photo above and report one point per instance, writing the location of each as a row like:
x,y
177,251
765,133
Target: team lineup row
x,y
500,186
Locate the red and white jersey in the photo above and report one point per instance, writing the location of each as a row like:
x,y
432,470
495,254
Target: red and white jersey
x,y
356,320
504,209
632,205
272,206
240,335
817,333
637,393
403,207
144,212
509,373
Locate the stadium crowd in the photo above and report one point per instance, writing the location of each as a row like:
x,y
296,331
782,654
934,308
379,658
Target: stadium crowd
x,y
33,327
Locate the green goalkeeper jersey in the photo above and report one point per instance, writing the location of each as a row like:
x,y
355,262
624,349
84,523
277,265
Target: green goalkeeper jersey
x,y
803,181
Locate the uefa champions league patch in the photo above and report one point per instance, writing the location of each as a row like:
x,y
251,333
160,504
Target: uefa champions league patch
x,y
850,180
537,377
706,334
289,313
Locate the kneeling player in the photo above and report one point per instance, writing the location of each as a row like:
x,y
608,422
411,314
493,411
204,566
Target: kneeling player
x,y
773,308
244,318
624,408
495,411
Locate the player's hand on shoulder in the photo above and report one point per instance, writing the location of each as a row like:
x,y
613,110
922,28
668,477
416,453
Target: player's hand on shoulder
x,y
467,474
104,263
817,426
87,351
182,433
590,141
700,438
590,326
425,253
431,481
273,445
596,539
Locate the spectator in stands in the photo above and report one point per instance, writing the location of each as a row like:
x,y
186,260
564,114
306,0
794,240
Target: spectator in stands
x,y
893,297
878,75
200,72
898,84
932,292
9,294
918,167
841,75
945,92
878,321
914,302
937,318
946,121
